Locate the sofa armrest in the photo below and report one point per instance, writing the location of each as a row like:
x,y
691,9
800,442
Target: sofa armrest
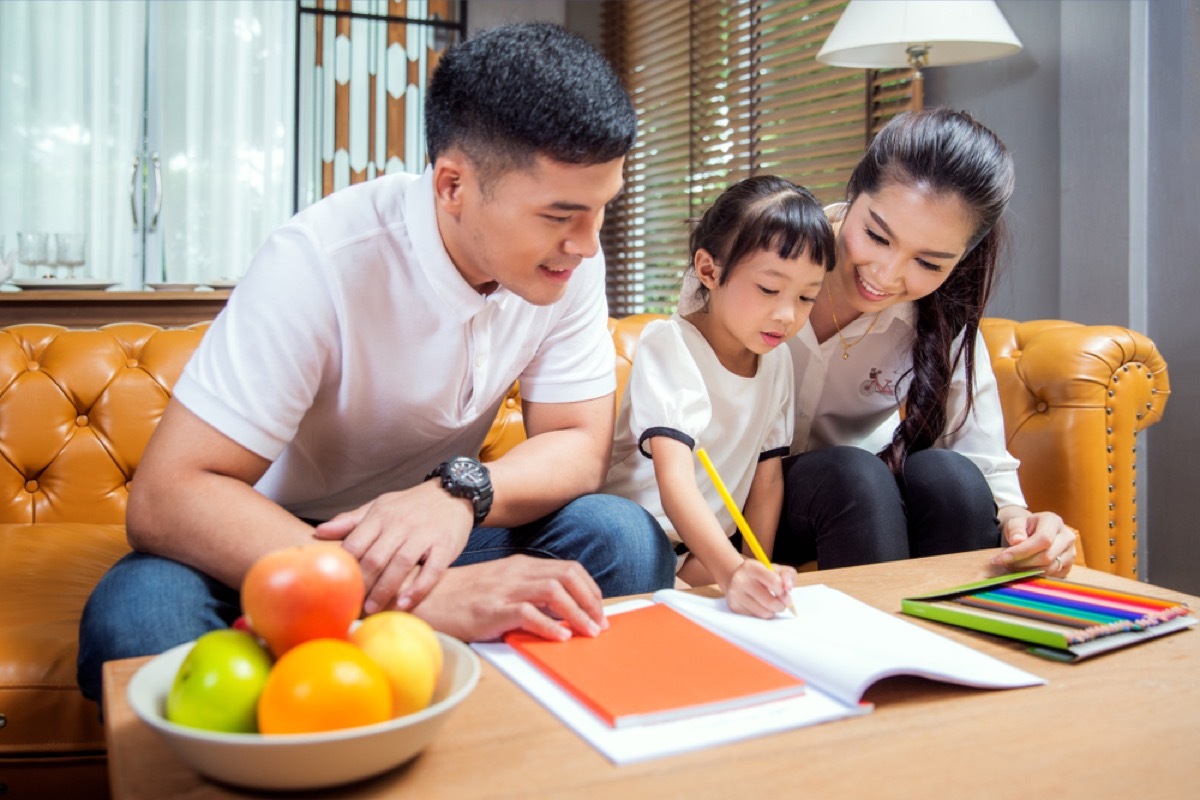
x,y
1074,398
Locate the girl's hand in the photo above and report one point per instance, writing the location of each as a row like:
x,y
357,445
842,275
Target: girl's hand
x,y
760,592
1037,541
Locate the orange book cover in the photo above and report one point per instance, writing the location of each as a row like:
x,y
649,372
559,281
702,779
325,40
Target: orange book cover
x,y
652,665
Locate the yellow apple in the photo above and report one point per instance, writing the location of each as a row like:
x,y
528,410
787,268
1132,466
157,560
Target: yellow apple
x,y
408,650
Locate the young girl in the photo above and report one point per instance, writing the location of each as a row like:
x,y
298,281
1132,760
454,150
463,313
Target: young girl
x,y
717,378
897,326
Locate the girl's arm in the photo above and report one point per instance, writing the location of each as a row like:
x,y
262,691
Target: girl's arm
x,y
762,512
764,503
749,587
688,511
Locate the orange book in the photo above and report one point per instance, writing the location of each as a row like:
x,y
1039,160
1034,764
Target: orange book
x,y
652,665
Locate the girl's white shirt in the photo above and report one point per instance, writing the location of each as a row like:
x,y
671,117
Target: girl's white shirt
x,y
678,387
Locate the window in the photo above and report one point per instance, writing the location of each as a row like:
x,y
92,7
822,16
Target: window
x,y
152,136
726,89
360,87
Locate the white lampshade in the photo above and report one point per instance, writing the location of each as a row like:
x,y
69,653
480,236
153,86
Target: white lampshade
x,y
873,34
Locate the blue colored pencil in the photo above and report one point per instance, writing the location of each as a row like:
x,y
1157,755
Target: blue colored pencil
x,y
1108,612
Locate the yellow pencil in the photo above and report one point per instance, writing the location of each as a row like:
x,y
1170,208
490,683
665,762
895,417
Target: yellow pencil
x,y
736,513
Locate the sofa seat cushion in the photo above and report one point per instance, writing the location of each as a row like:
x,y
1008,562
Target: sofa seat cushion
x,y
47,572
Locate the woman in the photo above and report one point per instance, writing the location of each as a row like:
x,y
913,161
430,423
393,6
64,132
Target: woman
x,y
897,327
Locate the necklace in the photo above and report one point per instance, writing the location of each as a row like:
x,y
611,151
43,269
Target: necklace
x,y
847,345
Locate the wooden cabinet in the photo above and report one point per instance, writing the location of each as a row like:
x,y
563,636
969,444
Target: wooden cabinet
x,y
91,309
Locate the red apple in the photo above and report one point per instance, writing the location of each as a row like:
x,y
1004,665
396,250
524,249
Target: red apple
x,y
309,591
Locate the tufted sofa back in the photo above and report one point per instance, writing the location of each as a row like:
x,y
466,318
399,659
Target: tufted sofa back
x,y
76,410
78,406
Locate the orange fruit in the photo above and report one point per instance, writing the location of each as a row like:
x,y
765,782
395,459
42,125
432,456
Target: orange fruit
x,y
409,652
323,685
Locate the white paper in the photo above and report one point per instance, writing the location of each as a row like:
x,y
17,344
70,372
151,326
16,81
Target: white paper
x,y
837,644
643,742
842,645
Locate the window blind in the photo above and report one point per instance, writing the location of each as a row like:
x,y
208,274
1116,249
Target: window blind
x,y
726,89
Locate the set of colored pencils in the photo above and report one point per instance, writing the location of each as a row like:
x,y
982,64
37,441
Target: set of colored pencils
x,y
1088,612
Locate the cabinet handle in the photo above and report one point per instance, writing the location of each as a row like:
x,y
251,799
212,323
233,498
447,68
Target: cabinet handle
x,y
157,192
133,175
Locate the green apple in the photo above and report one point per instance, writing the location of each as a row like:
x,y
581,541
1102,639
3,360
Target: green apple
x,y
218,683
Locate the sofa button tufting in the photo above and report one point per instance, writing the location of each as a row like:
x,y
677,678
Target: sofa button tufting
x,y
81,421
31,486
131,363
1042,406
33,366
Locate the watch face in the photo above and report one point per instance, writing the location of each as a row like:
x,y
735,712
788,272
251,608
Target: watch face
x,y
467,472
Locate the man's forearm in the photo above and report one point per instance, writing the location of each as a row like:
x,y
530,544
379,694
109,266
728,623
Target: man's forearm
x,y
217,524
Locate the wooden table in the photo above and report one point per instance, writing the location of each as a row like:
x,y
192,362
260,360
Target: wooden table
x,y
1125,724
91,309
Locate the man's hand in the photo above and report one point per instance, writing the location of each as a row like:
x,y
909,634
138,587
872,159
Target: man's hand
x,y
546,597
404,541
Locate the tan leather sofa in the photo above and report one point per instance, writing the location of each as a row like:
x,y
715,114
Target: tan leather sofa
x,y
78,406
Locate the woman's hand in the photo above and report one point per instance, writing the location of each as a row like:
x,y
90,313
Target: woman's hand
x,y
1036,541
760,592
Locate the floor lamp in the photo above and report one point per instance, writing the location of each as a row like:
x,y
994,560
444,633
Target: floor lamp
x,y
877,34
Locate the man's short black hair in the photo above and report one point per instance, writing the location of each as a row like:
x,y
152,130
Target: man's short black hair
x,y
517,91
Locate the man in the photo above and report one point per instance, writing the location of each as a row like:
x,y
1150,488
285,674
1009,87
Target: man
x,y
357,368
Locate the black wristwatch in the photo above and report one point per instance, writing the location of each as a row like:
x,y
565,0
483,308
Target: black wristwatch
x,y
466,477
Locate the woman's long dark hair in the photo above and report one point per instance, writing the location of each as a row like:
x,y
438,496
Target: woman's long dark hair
x,y
946,153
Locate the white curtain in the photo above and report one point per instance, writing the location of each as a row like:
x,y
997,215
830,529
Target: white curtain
x,y
210,84
70,118
227,78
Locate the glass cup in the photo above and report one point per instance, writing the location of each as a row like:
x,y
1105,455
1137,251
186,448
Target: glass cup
x,y
32,249
6,261
69,251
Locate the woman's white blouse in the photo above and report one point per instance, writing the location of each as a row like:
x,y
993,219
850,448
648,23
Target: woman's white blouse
x,y
856,400
677,387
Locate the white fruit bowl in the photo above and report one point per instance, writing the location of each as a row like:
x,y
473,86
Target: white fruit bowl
x,y
301,760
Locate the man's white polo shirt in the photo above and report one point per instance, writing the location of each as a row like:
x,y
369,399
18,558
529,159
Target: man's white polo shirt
x,y
355,357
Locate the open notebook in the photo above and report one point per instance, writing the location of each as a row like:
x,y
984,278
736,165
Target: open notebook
x,y
837,645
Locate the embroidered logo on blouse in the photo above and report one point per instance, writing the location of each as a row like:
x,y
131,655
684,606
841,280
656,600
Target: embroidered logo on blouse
x,y
876,384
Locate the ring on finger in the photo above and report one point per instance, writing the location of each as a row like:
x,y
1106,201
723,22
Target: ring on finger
x,y
1057,563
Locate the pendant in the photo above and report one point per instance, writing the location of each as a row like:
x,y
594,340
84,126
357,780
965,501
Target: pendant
x,y
845,355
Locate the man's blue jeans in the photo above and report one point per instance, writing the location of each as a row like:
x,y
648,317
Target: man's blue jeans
x,y
146,604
